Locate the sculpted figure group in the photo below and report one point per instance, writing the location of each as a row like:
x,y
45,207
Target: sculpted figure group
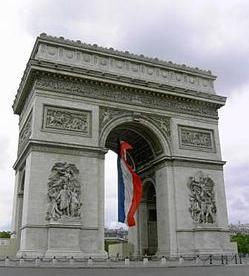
x,y
66,120
63,192
202,199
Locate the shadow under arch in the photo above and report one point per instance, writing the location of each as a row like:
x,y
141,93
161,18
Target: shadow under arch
x,y
149,143
148,218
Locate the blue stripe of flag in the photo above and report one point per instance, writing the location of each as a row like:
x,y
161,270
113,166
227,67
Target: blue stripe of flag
x,y
121,193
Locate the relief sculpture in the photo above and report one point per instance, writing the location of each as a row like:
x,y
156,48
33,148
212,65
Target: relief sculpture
x,y
25,133
202,199
112,94
66,119
193,138
63,192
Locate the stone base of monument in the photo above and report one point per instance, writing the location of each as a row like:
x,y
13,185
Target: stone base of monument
x,y
62,238
75,254
63,241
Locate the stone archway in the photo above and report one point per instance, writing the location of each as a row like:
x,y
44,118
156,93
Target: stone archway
x,y
74,101
148,151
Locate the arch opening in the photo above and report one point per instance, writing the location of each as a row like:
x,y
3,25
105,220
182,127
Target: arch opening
x,y
146,145
148,214
146,148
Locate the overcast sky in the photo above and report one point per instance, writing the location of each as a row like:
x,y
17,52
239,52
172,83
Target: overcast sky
x,y
209,34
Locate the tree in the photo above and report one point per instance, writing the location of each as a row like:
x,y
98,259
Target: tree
x,y
5,234
242,242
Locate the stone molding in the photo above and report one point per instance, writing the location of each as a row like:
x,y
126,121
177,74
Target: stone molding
x,y
193,138
79,226
188,162
25,132
150,71
67,120
209,228
199,164
135,97
107,114
26,106
59,148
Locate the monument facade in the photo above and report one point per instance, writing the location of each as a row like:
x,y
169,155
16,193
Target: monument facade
x,y
74,101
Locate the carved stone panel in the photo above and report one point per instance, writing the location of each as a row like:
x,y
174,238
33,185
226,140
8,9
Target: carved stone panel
x,y
64,193
137,98
71,121
202,199
25,133
163,123
106,114
178,76
196,138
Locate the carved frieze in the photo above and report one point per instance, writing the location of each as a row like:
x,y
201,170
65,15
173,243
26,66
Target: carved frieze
x,y
67,120
128,68
64,193
25,133
196,138
202,199
127,96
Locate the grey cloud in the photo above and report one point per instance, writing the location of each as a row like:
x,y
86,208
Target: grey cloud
x,y
238,175
237,183
5,227
4,147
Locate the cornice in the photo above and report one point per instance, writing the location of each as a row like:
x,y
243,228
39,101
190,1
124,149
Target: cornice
x,y
122,80
74,74
57,147
181,161
109,65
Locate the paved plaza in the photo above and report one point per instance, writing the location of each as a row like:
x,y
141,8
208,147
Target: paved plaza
x,y
240,270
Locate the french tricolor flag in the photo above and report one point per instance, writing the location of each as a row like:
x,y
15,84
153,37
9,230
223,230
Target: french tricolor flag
x,y
129,187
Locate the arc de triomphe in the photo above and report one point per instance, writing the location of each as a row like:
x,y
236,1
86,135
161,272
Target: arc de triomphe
x,y
74,101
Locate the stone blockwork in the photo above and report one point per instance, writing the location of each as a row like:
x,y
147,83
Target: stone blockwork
x,y
75,100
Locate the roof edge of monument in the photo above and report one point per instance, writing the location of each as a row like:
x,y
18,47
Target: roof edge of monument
x,y
32,67
127,54
207,94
